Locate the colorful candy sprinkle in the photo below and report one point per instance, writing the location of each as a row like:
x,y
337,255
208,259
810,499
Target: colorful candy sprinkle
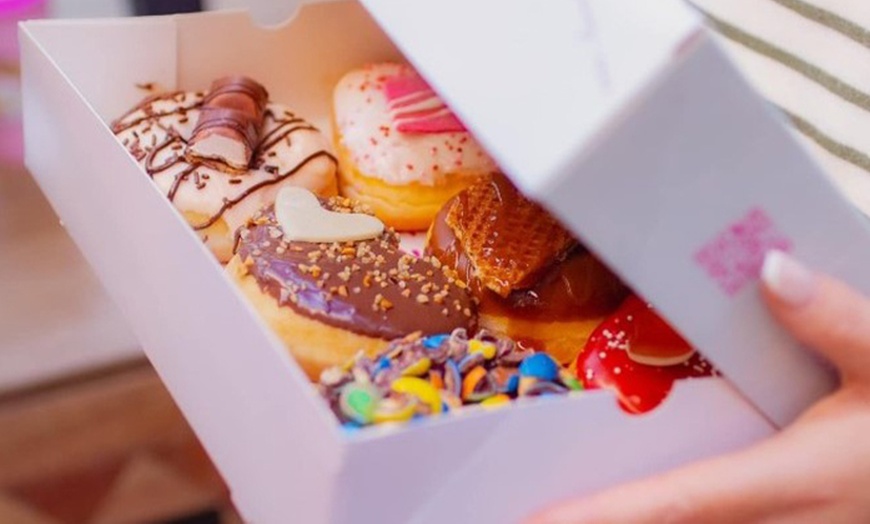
x,y
421,376
496,401
435,341
486,349
421,389
358,402
396,409
540,366
418,368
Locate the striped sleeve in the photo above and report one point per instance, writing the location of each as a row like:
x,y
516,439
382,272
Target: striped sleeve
x,y
811,59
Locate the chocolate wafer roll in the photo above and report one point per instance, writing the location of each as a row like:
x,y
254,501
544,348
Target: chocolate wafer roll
x,y
228,130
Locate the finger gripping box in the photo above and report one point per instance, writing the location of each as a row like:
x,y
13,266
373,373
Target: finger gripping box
x,y
620,116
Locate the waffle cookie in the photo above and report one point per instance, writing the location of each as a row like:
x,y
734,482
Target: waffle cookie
x,y
533,280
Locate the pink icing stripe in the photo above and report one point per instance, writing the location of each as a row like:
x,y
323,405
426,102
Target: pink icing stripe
x,y
408,90
411,100
420,113
401,86
443,124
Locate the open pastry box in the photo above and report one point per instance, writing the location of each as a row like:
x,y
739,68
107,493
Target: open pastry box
x,y
621,117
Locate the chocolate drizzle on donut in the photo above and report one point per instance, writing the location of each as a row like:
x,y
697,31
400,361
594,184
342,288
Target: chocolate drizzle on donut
x,y
148,113
368,287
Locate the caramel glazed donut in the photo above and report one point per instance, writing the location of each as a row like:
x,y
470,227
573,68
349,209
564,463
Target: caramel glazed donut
x,y
216,199
534,282
327,301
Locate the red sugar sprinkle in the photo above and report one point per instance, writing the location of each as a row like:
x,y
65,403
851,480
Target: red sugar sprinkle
x,y
409,167
374,141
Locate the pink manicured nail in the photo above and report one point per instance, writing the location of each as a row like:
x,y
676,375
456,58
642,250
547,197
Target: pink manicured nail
x,y
788,279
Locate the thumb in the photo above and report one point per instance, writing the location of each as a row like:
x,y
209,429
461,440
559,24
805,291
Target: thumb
x,y
821,312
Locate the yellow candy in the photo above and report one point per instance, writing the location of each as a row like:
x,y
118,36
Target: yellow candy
x,y
393,410
525,384
484,348
422,389
496,401
418,368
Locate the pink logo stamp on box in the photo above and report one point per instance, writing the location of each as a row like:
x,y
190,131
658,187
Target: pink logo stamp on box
x,y
734,257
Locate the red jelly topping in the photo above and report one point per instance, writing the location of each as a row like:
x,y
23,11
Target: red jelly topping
x,y
634,334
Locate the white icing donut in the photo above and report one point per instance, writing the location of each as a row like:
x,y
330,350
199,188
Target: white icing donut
x,y
291,152
395,128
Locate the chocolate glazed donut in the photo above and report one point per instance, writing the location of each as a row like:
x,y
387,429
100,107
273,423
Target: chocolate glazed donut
x,y
328,301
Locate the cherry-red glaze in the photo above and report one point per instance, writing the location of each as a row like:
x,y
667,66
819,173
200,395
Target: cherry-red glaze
x,y
605,363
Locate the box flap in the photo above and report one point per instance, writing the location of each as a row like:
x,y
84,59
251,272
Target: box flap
x,y
623,118
536,81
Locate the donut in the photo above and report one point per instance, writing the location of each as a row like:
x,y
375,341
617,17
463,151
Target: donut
x,y
638,356
401,151
424,376
330,286
222,155
534,282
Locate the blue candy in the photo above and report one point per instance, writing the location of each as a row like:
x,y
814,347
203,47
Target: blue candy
x,y
435,341
351,427
512,385
540,366
452,378
383,363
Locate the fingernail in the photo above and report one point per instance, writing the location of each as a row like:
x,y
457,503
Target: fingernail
x,y
789,280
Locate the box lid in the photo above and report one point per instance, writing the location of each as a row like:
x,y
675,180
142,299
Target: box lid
x,y
536,80
625,120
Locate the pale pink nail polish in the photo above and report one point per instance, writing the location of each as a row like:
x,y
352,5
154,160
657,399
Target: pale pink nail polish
x,y
788,279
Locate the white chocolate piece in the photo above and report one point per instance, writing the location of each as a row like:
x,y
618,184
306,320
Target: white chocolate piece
x,y
222,149
659,361
303,219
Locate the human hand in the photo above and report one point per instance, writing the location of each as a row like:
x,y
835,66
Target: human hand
x,y
816,470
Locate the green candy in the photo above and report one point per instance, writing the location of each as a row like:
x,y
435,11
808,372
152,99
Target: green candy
x,y
358,402
572,383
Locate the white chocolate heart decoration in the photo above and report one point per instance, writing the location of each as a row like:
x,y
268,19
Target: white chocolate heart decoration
x,y
302,218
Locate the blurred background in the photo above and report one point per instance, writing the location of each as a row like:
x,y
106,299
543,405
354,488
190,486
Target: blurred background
x,y
87,431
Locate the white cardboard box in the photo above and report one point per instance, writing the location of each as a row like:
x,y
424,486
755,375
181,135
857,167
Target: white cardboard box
x,y
620,115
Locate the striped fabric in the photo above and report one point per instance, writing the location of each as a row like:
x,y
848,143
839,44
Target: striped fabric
x,y
810,58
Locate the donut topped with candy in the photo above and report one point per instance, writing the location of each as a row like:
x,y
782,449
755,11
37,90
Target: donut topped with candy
x,y
418,376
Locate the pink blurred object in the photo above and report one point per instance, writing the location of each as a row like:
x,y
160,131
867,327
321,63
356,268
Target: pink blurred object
x,y
11,12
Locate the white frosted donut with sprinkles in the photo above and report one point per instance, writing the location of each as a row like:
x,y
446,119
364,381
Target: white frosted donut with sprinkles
x,y
279,149
401,150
